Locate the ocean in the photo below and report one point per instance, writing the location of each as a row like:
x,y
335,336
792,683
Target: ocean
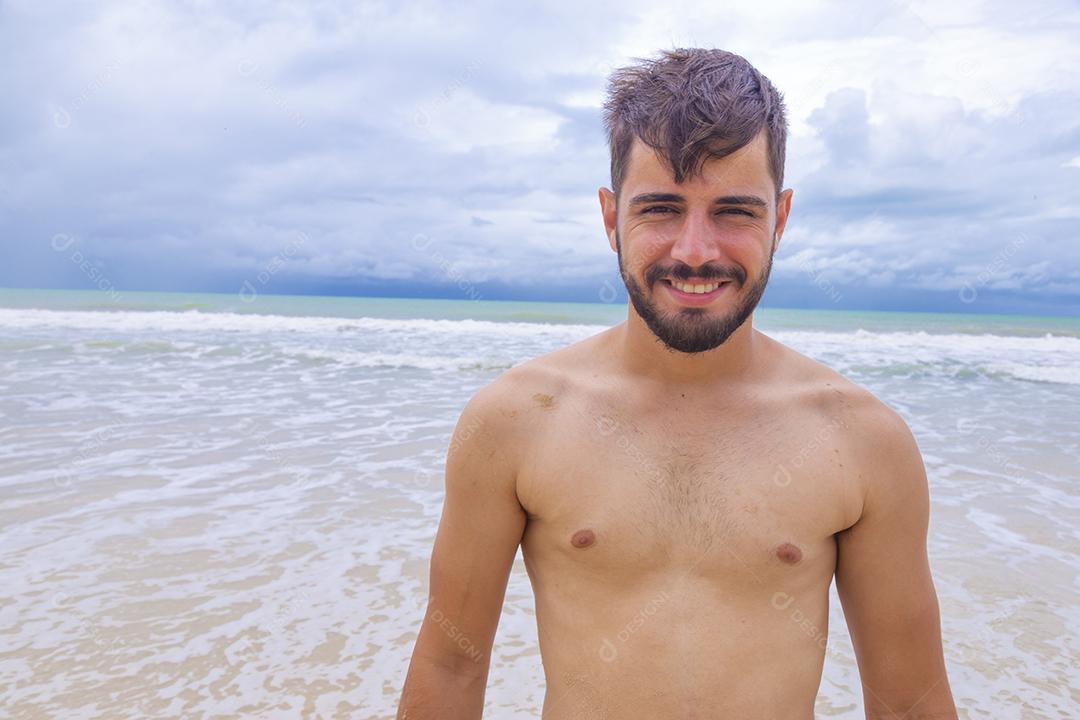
x,y
219,506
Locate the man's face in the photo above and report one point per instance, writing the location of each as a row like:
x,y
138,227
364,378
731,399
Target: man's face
x,y
722,226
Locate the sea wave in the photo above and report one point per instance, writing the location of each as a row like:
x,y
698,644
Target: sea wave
x,y
195,320
443,344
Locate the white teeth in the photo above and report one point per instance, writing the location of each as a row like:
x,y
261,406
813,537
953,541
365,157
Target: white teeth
x,y
696,289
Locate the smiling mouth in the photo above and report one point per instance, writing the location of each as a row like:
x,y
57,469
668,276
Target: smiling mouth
x,y
695,288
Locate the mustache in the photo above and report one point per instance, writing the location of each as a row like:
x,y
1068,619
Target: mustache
x,y
685,272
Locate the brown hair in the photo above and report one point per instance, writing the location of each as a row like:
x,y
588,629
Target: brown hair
x,y
691,105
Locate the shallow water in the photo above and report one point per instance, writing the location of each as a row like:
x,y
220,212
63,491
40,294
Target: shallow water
x,y
214,514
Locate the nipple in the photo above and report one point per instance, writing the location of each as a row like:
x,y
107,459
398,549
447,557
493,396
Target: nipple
x,y
789,553
583,538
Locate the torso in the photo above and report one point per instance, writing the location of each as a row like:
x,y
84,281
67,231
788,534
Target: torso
x,y
681,549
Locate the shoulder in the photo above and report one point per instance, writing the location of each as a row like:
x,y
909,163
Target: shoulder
x,y
868,418
535,385
509,410
523,408
885,460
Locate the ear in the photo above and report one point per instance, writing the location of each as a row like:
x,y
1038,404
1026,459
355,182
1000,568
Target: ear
x,y
609,211
783,210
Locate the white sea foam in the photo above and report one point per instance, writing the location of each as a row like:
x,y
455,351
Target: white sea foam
x,y
1048,358
1067,374
983,345
500,345
401,360
195,321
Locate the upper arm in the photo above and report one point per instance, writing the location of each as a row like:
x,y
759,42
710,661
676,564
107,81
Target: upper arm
x,y
883,577
479,531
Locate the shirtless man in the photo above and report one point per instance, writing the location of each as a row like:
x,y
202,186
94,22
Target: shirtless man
x,y
683,487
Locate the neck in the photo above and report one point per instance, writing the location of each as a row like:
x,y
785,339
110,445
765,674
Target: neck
x,y
643,355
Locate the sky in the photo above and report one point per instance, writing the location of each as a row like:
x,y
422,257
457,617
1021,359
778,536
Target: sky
x,y
438,150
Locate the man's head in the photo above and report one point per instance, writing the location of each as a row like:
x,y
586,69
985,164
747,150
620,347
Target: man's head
x,y
697,164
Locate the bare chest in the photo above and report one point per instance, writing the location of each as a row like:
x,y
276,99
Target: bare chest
x,y
749,503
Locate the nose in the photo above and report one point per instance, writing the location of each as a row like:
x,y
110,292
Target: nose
x,y
697,242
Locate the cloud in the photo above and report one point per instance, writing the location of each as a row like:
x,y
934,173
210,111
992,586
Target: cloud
x,y
842,124
191,145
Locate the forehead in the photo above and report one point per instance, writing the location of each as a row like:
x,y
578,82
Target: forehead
x,y
746,170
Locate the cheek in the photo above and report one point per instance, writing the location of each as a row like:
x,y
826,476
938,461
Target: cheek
x,y
648,246
653,239
742,234
742,246
748,246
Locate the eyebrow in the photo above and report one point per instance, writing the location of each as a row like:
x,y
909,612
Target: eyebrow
x,y
646,198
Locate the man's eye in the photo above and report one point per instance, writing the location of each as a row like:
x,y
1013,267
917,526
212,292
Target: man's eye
x,y
663,209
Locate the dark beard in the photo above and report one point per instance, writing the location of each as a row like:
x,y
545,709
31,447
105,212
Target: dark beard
x,y
693,329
